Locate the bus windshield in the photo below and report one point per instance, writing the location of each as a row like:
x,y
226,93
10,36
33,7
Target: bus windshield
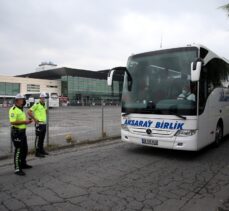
x,y
161,83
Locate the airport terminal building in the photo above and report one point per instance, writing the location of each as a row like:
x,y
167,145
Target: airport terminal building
x,y
82,87
11,85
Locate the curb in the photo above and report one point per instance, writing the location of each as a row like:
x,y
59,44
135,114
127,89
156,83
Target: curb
x,y
51,148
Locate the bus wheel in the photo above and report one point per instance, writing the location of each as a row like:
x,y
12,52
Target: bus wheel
x,y
218,135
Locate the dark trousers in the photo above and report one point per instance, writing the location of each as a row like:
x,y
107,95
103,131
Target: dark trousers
x,y
19,139
40,137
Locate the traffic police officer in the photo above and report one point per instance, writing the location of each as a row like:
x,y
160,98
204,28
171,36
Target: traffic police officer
x,y
18,123
38,113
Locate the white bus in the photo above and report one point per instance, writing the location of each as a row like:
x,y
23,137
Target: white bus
x,y
32,98
175,98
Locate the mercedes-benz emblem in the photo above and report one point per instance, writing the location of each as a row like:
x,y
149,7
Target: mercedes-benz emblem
x,y
148,131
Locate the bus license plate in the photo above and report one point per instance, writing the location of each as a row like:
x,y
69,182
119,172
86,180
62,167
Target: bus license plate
x,y
148,141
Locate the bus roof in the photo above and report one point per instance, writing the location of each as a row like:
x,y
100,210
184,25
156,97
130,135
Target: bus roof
x,y
209,56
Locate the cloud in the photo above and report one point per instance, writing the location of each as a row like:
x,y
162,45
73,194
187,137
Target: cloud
x,y
102,34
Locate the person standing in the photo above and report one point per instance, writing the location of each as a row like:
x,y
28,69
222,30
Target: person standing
x,y
18,121
38,112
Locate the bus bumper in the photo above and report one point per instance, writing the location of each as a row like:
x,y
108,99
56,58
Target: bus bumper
x,y
188,143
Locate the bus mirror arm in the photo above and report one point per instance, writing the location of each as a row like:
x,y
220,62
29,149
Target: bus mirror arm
x,y
196,69
130,81
111,75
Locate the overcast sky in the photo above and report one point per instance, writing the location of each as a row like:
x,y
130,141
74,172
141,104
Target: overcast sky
x,y
101,34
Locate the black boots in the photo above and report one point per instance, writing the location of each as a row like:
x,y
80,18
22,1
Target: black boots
x,y
19,172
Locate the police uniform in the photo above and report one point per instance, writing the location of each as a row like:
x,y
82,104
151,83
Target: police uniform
x,y
18,137
39,112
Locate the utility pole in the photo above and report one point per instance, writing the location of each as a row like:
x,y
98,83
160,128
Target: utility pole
x,y
161,40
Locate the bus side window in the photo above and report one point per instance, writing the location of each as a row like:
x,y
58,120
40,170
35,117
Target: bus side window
x,y
215,74
203,89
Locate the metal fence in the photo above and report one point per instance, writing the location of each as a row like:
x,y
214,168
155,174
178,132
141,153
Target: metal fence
x,y
67,125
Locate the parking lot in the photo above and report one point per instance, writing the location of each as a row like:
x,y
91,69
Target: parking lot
x,y
81,123
111,175
119,176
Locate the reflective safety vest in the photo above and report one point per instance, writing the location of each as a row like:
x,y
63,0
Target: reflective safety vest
x,y
17,114
39,112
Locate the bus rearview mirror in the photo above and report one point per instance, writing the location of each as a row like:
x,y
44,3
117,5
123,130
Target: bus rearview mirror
x,y
110,77
195,71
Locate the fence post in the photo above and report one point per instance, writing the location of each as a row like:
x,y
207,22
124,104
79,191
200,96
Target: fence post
x,y
47,124
11,143
103,132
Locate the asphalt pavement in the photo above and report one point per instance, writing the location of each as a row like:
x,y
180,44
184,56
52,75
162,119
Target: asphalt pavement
x,y
113,175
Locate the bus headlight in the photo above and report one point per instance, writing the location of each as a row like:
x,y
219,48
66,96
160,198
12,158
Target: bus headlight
x,y
183,133
124,127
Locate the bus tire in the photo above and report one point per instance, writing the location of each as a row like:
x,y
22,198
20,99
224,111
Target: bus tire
x,y
218,134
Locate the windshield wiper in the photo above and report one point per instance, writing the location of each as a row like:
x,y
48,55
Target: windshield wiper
x,y
126,114
178,115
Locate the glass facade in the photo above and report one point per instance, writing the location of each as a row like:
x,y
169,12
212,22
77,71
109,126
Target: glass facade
x,y
9,89
90,91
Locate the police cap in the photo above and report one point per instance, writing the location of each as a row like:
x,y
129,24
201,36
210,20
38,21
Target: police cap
x,y
43,95
19,96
